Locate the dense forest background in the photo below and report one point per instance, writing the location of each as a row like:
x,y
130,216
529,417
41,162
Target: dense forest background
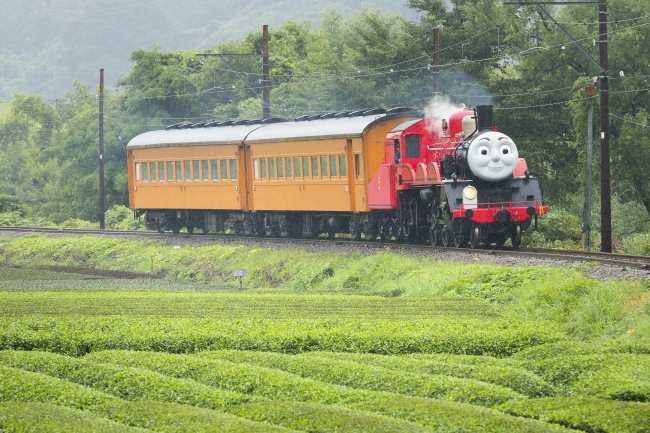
x,y
536,78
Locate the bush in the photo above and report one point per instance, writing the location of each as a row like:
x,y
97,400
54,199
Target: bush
x,y
587,414
279,385
376,378
123,382
517,379
13,204
80,335
23,386
121,218
47,418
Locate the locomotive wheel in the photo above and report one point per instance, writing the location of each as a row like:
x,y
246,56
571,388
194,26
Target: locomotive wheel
x,y
475,238
370,229
516,237
500,241
435,235
384,230
459,240
445,237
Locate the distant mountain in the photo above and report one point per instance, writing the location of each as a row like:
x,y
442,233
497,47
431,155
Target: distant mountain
x,y
45,44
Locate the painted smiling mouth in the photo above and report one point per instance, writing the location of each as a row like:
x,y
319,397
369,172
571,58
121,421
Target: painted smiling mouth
x,y
495,168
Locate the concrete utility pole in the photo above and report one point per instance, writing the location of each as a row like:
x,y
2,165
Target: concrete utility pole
x,y
436,60
605,179
102,223
590,140
265,72
605,171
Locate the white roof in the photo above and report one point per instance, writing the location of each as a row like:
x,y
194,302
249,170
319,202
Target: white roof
x,y
336,127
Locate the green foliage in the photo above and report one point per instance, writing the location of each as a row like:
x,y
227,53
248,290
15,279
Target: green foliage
x,y
183,335
18,385
377,378
120,217
586,414
278,385
124,382
47,418
13,204
517,379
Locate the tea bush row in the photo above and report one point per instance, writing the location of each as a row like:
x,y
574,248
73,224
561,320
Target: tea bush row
x,y
518,379
273,384
376,378
611,376
47,418
17,385
223,306
80,335
587,414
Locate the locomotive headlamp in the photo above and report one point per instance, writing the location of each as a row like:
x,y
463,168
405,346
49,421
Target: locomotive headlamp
x,y
469,193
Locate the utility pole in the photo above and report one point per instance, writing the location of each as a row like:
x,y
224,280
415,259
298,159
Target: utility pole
x,y
265,72
436,60
605,178
590,139
605,171
102,222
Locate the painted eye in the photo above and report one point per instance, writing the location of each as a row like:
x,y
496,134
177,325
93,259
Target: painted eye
x,y
483,150
504,149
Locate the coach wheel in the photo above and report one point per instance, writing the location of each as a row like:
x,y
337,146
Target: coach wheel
x,y
190,228
516,237
475,237
445,237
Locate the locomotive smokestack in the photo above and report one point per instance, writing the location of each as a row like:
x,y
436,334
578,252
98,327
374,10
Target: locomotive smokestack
x,y
485,114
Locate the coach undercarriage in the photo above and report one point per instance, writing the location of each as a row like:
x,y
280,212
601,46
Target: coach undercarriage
x,y
422,216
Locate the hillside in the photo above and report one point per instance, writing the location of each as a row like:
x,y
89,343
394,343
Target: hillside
x,y
46,44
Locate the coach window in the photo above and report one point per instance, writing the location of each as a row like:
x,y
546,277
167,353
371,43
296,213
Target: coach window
x,y
215,170
233,169
137,171
161,171
305,166
280,169
263,168
170,172
256,168
204,170
333,165
323,166
179,171
186,166
223,166
314,166
195,168
413,146
357,165
145,172
288,168
271,168
296,166
152,168
342,166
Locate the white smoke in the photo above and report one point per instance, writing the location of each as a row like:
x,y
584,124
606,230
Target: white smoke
x,y
440,108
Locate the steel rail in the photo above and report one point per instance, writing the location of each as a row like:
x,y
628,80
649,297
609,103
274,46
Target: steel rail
x,y
612,259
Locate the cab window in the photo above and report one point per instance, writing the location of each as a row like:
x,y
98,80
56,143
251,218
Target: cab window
x,y
413,146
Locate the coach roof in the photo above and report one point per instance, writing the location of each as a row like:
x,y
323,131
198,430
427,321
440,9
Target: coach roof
x,y
310,129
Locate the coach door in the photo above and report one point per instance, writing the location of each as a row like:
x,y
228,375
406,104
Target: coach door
x,y
245,182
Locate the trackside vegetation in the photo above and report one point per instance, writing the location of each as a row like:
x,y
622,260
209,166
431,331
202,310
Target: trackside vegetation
x,y
352,342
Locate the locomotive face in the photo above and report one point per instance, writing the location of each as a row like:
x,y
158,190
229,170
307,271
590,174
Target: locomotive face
x,y
492,156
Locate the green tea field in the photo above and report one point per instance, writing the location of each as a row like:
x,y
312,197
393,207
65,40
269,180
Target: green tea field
x,y
313,345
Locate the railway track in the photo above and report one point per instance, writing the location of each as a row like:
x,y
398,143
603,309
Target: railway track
x,y
612,259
